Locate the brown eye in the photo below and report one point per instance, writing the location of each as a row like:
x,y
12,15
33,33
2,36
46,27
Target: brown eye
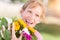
x,y
37,15
29,11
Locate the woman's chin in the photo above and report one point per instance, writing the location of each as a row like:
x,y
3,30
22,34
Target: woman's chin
x,y
31,25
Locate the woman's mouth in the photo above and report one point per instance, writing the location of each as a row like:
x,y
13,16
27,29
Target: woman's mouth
x,y
29,22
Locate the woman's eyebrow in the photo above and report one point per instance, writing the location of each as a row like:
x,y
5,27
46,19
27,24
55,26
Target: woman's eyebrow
x,y
29,11
37,15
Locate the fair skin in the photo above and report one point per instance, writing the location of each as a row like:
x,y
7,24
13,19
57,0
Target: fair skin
x,y
31,16
13,34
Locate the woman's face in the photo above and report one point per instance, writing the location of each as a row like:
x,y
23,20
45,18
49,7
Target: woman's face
x,y
32,15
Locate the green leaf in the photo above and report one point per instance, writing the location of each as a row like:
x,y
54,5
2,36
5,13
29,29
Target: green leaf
x,y
23,38
0,24
0,38
7,35
4,22
33,37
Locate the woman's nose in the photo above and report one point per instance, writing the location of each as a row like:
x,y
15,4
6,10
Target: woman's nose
x,y
32,17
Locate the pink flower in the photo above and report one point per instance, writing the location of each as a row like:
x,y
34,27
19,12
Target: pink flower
x,y
26,34
28,37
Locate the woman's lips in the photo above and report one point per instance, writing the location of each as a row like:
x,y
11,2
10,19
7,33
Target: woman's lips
x,y
28,22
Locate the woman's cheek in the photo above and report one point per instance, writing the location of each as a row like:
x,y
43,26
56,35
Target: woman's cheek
x,y
23,15
37,20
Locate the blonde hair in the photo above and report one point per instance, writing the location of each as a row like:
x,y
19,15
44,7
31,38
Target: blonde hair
x,y
36,2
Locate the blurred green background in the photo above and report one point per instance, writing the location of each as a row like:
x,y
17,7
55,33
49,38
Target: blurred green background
x,y
49,31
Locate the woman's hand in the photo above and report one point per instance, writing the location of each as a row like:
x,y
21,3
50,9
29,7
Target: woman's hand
x,y
13,34
38,35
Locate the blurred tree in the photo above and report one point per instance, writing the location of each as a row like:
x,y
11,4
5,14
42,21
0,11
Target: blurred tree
x,y
19,1
23,0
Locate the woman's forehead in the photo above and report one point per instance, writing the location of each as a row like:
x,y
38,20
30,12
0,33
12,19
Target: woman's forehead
x,y
36,8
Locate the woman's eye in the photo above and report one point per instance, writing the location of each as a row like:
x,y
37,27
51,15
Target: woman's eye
x,y
37,15
29,11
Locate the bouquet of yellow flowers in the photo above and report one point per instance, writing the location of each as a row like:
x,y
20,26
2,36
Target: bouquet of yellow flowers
x,y
20,25
23,26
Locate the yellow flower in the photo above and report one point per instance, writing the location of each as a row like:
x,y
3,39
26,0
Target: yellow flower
x,y
31,29
22,22
17,26
25,25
